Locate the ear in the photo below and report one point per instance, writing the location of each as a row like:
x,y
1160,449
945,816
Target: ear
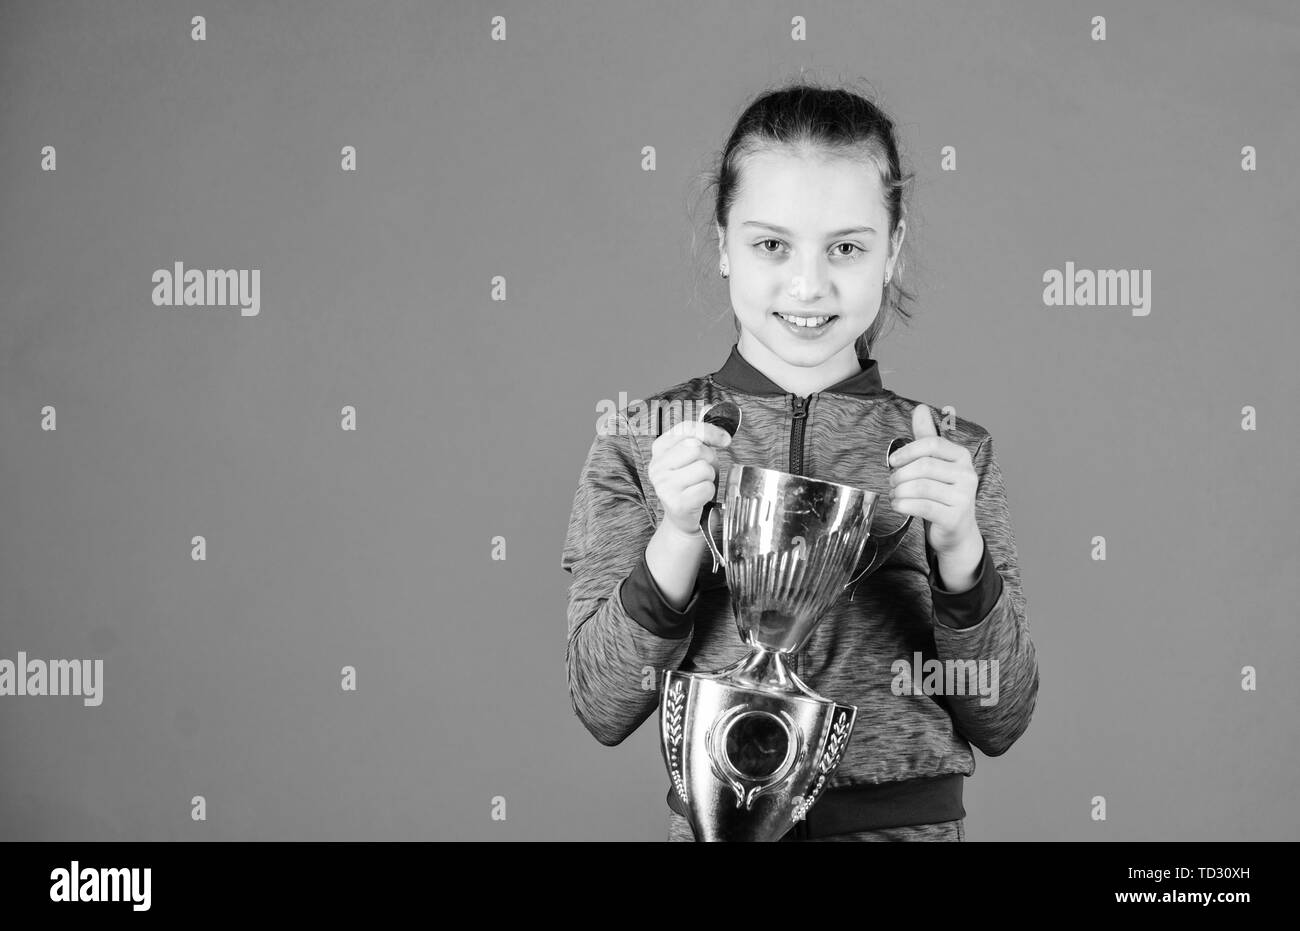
x,y
722,241
899,233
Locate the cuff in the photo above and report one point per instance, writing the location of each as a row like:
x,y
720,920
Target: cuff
x,y
960,610
645,604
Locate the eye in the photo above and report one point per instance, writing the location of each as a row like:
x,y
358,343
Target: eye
x,y
764,242
851,246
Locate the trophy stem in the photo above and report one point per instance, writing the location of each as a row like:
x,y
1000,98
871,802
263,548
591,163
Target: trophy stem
x,y
767,670
762,669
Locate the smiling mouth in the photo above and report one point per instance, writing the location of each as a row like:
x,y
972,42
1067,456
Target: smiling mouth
x,y
806,320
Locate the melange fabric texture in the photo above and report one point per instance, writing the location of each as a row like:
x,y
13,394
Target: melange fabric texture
x,y
900,775
679,829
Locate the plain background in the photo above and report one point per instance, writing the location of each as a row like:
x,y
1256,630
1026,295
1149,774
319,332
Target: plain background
x,y
523,159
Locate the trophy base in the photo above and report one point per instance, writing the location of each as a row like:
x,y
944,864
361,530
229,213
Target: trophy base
x,y
749,748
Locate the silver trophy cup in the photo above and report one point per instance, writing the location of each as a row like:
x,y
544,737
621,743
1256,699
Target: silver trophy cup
x,y
750,747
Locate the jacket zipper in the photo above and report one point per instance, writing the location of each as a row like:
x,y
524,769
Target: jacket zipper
x,y
797,426
800,406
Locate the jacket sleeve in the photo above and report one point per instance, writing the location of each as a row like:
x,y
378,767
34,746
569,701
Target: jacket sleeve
x,y
989,622
622,633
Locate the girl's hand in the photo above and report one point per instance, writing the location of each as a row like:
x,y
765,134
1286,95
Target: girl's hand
x,y
683,471
933,478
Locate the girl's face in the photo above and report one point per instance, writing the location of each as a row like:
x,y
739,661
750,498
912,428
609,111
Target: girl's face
x,y
808,238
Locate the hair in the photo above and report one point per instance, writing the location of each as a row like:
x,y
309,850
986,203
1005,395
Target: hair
x,y
822,121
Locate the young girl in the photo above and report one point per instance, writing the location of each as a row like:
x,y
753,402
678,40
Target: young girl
x,y
934,648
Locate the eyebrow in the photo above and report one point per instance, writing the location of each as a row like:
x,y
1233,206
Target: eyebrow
x,y
786,232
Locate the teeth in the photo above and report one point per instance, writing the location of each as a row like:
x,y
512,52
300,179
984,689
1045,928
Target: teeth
x,y
805,321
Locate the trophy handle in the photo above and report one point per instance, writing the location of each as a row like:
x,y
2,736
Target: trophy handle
x,y
883,546
707,530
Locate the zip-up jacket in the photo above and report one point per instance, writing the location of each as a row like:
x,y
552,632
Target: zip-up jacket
x,y
916,723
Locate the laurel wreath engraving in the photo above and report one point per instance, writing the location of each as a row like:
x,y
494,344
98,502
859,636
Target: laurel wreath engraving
x,y
839,732
830,759
673,728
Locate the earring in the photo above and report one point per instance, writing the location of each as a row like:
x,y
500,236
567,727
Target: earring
x,y
722,270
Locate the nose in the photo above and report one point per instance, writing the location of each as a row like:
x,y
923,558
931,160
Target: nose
x,y
809,281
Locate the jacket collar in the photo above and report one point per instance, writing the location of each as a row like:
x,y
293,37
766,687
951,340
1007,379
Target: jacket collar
x,y
738,373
